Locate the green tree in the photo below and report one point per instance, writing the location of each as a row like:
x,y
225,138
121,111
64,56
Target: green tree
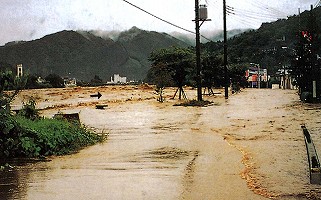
x,y
301,66
161,76
212,70
237,77
32,82
55,80
305,64
174,61
10,85
96,81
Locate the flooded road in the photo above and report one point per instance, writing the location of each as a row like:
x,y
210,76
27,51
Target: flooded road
x,y
248,147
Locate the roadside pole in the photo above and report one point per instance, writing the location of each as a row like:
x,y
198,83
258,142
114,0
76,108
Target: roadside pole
x,y
225,51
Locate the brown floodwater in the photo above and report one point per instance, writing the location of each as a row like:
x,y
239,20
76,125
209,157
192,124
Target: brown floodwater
x,y
247,147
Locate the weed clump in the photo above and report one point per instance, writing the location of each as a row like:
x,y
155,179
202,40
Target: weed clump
x,y
195,103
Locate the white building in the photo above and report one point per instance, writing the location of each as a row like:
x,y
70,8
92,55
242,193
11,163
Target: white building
x,y
19,70
70,82
118,79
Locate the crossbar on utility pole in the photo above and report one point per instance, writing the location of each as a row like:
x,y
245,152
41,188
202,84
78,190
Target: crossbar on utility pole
x,y
225,51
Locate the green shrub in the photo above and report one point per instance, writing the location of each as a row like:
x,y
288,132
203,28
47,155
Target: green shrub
x,y
29,110
22,137
9,134
55,137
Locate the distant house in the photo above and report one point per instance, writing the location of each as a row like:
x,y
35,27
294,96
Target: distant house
x,y
70,82
40,80
257,77
117,79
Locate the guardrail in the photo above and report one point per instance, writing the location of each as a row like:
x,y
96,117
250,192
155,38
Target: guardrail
x,y
314,163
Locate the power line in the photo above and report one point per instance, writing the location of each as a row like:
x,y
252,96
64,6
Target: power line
x,y
317,4
268,8
170,23
260,13
244,21
252,14
159,17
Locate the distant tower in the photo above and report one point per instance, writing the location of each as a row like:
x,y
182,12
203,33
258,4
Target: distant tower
x,y
19,70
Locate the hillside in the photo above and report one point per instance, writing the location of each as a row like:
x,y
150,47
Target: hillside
x,y
272,45
139,44
83,55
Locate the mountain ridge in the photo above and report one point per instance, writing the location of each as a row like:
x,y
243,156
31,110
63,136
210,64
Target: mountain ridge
x,y
82,55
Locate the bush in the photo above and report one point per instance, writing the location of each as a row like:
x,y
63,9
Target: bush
x,y
55,80
56,137
29,110
10,135
24,137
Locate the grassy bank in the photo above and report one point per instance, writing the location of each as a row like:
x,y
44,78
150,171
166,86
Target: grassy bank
x,y
23,137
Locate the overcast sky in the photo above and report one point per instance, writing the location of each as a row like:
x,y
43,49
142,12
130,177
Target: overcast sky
x,y
33,19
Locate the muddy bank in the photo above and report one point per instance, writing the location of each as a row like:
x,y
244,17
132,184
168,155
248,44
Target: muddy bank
x,y
248,147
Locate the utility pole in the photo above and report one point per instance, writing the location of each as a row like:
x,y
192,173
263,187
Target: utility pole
x,y
299,10
314,61
200,16
225,50
198,52
257,66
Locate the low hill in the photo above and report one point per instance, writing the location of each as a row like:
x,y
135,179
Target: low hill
x,y
83,54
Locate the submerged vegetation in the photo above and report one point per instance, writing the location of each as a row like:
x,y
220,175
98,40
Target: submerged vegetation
x,y
196,103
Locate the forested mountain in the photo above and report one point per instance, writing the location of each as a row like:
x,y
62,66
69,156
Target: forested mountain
x,y
83,55
272,45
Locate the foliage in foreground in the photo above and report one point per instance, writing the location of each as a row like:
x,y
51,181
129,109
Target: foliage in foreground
x,y
22,137
28,135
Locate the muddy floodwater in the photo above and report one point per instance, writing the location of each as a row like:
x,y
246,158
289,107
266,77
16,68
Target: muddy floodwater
x,y
250,146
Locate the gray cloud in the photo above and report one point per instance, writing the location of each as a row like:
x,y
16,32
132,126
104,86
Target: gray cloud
x,y
32,19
